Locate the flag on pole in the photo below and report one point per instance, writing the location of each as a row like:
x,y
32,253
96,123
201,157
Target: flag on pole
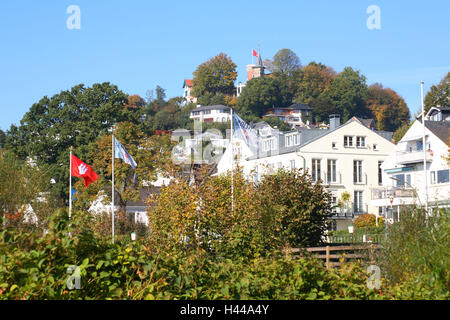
x,y
254,53
246,133
81,169
121,153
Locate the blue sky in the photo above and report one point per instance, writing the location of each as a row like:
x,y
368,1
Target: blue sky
x,y
138,45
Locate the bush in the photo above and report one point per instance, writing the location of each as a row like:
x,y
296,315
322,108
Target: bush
x,y
414,259
34,266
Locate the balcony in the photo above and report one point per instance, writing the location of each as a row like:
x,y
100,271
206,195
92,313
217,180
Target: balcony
x,y
349,211
379,194
330,179
414,156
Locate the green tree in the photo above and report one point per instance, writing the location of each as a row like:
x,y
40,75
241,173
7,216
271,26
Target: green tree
x,y
285,61
400,132
439,95
2,138
388,108
275,122
217,75
21,184
261,94
348,92
75,117
294,209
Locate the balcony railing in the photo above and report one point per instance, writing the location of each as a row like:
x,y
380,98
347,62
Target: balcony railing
x,y
331,179
414,156
378,194
349,210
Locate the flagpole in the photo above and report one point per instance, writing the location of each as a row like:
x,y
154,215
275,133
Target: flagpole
x,y
424,147
232,163
112,203
70,184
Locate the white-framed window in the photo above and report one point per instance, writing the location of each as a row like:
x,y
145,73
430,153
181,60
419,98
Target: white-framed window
x,y
279,165
333,145
375,146
293,164
358,198
268,144
357,171
291,140
315,168
348,141
360,141
331,171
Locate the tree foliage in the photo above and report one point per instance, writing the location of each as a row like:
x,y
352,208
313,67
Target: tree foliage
x,y
71,118
348,92
285,61
262,94
295,210
439,95
388,108
312,81
217,75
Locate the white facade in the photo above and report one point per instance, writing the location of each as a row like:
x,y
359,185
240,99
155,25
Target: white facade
x,y
347,159
217,113
403,171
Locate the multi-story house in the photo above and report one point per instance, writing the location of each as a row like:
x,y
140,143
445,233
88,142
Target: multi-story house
x,y
187,88
405,182
217,113
297,115
346,159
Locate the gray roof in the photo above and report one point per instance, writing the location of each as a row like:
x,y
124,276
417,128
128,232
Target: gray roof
x,y
215,107
440,129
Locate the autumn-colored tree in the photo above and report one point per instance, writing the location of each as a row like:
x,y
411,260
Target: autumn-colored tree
x,y
312,81
367,220
152,155
388,108
439,95
217,75
135,101
200,216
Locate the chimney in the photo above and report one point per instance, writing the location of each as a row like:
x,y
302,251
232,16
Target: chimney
x,y
335,121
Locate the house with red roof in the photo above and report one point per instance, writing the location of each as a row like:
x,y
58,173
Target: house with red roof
x,y
187,88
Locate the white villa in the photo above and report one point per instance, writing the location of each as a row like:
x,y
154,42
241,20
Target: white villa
x,y
217,113
403,171
346,158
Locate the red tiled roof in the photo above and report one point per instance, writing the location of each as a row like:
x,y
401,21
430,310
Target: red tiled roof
x,y
188,82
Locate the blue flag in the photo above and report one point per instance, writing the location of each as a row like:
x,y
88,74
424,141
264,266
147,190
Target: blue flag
x,y
121,153
244,132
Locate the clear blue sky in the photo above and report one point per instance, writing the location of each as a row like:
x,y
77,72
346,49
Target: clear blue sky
x,y
140,44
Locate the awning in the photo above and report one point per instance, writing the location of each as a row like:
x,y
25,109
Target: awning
x,y
396,170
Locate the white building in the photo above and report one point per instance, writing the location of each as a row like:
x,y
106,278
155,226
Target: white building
x,y
217,113
346,158
403,171
187,88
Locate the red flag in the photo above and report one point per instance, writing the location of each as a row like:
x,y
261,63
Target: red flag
x,y
255,54
81,169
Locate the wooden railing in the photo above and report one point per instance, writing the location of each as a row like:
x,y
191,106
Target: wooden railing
x,y
357,238
334,255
